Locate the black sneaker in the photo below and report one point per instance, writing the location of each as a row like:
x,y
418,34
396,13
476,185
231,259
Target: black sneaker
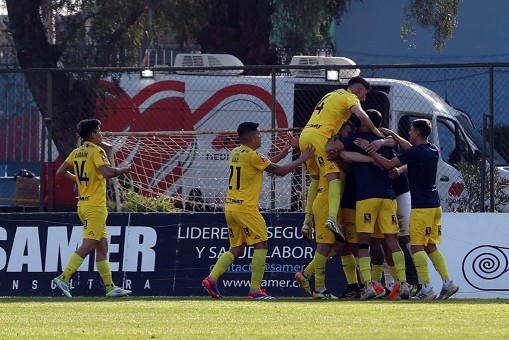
x,y
351,292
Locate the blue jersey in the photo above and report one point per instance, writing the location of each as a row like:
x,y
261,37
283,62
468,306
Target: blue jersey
x,y
370,180
422,161
348,198
400,184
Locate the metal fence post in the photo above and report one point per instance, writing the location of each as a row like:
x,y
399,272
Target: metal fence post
x,y
274,135
43,170
492,143
50,137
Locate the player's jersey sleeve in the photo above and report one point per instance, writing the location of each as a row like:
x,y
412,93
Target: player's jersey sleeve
x,y
69,159
100,158
411,155
259,161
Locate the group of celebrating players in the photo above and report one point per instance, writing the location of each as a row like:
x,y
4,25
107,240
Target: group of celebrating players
x,y
370,189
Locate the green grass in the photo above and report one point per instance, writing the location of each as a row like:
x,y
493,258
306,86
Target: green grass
x,y
238,318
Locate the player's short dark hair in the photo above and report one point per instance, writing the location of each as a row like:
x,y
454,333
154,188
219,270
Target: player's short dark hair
x,y
375,117
246,127
359,80
87,126
423,125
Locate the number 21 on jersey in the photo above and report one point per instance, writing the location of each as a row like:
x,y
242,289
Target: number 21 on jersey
x,y
234,170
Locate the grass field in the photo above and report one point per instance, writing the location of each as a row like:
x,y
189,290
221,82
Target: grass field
x,y
238,318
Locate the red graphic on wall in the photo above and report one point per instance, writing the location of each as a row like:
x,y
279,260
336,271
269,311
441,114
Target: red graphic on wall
x,y
165,109
456,189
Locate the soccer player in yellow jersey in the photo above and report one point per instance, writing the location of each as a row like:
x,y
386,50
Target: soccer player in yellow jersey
x,y
333,110
246,225
90,168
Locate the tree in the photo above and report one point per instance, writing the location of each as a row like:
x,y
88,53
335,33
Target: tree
x,y
104,33
73,96
440,15
305,25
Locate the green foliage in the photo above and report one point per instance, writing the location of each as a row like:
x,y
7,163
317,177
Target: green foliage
x,y
439,15
471,201
134,202
296,31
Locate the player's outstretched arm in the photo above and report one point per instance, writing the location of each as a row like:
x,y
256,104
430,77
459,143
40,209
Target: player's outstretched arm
x,y
281,154
363,117
386,163
108,171
403,143
281,170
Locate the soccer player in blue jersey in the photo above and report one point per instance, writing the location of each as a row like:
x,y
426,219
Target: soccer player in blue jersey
x,y
402,190
421,158
376,206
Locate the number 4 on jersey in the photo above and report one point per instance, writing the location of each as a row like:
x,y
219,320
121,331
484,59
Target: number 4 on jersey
x,y
79,170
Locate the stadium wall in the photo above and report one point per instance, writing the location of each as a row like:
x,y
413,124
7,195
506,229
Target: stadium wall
x,y
157,254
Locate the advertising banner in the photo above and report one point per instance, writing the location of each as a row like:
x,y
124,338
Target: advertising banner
x,y
152,254
158,254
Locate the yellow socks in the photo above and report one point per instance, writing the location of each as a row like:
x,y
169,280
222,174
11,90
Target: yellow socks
x,y
310,269
334,199
74,263
365,269
421,266
350,268
320,263
104,270
258,268
438,260
377,271
312,192
399,262
222,264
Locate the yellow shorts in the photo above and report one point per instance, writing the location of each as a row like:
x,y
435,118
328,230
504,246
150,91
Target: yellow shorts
x,y
94,221
320,215
376,212
249,228
319,164
425,226
347,222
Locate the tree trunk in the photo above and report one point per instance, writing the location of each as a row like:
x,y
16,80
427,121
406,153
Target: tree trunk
x,y
35,52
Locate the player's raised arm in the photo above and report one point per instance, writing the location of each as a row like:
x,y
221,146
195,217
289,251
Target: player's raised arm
x,y
281,170
403,143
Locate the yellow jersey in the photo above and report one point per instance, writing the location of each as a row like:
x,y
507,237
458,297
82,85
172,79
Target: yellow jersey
x,y
86,161
246,177
333,110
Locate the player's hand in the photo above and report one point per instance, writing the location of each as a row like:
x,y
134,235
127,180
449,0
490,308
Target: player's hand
x,y
332,155
285,150
361,143
394,173
307,154
307,232
126,169
293,140
374,146
388,132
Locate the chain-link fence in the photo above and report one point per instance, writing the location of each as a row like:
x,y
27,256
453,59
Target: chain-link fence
x,y
466,104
